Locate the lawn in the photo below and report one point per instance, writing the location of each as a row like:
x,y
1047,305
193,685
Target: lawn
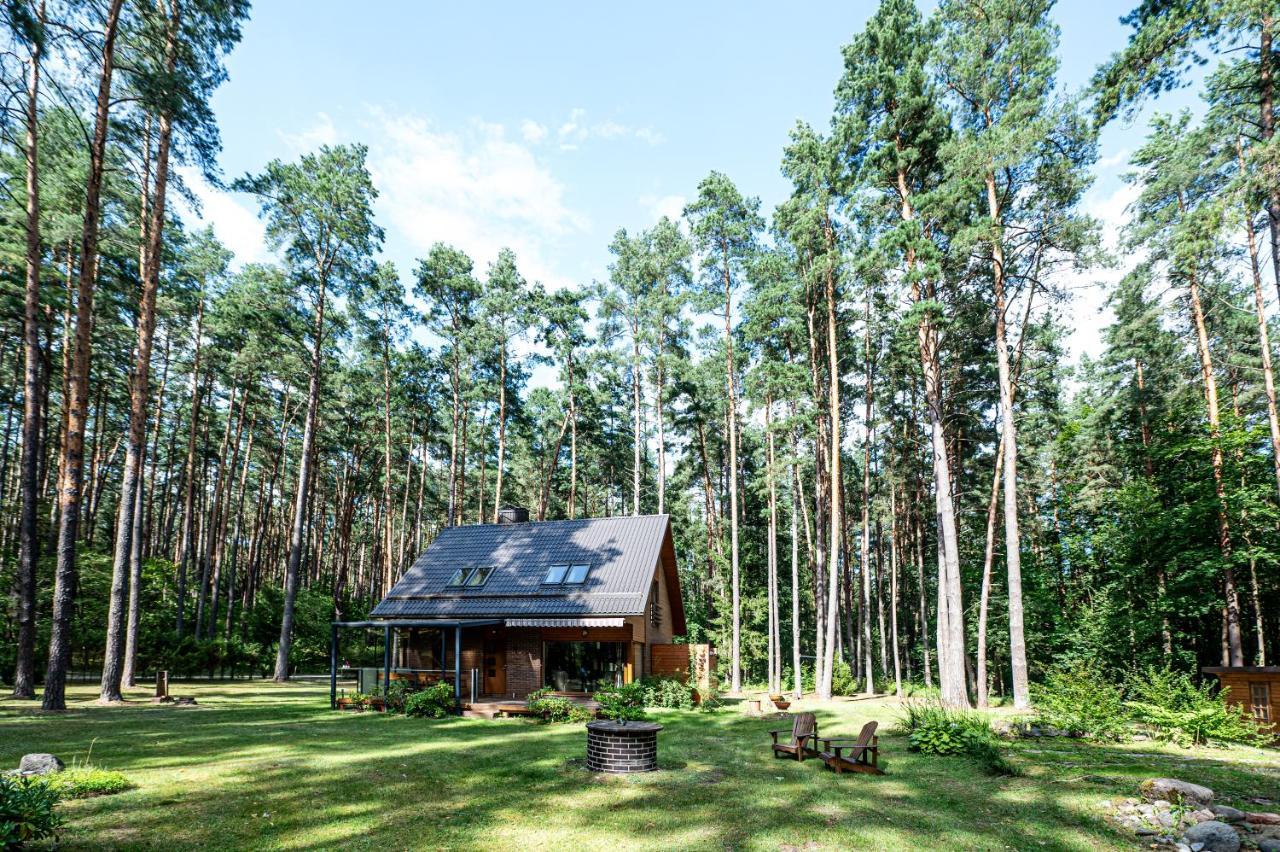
x,y
271,767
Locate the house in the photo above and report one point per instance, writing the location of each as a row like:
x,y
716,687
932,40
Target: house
x,y
504,609
1255,689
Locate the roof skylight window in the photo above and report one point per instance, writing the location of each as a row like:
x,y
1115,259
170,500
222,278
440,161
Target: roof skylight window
x,y
555,574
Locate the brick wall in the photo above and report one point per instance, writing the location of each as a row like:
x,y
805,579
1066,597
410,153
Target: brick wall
x,y
524,662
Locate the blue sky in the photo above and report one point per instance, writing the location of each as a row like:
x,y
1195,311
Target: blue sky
x,y
546,127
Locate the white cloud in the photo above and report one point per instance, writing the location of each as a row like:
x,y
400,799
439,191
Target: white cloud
x,y
234,219
1116,160
532,131
476,189
323,132
576,129
671,206
1088,316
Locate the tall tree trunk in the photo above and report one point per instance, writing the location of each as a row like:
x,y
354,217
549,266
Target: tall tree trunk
x,y
950,609
502,430
139,389
76,401
1231,612
797,688
387,564
867,665
834,475
24,681
294,564
1266,126
186,544
637,435
735,662
1009,440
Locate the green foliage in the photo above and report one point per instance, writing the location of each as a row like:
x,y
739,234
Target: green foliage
x,y
668,692
557,709
1175,709
622,703
82,782
435,702
396,694
1082,701
27,811
842,680
935,729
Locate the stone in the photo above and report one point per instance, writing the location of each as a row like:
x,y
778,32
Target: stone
x,y
39,764
1204,815
1269,844
1226,813
1216,837
1262,819
1175,791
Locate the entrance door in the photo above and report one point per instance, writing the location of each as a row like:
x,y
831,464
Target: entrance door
x,y
495,666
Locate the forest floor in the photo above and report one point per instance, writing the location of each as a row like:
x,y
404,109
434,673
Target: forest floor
x,y
262,766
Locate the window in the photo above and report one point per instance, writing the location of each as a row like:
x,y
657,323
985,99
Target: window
x,y
471,577
655,609
1260,701
568,575
584,666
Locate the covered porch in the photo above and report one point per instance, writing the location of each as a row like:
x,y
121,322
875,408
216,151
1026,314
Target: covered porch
x,y
403,660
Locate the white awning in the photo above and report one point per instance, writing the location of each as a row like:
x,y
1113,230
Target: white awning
x,y
565,622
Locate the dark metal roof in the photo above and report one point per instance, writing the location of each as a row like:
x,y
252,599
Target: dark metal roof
x,y
623,553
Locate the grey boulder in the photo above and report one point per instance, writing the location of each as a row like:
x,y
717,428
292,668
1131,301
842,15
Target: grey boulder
x,y
1216,837
39,764
1178,792
1226,813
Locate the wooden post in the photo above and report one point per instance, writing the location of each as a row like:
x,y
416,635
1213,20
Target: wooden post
x,y
457,664
333,666
162,684
386,658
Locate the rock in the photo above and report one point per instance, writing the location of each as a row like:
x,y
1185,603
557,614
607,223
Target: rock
x,y
1226,813
1216,837
1175,791
1204,815
1254,818
184,701
39,764
1269,844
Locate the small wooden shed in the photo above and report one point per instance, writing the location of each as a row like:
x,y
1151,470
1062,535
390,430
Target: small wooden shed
x,y
1254,688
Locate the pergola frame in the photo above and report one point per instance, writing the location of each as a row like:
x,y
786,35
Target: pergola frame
x,y
387,625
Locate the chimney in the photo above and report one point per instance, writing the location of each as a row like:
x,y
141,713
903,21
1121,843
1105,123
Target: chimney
x,y
513,515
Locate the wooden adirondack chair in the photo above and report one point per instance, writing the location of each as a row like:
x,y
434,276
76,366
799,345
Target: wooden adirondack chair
x,y
804,736
863,753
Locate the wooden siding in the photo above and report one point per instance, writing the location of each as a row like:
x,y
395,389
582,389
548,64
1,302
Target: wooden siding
x,y
1240,683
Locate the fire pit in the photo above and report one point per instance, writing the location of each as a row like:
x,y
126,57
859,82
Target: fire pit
x,y
622,746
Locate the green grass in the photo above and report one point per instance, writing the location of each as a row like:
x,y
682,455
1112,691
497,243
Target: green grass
x,y
271,767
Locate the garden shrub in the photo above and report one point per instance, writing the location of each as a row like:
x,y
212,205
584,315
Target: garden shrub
x,y
556,709
434,702
622,703
668,692
1083,702
842,680
26,811
1174,709
396,694
935,729
82,782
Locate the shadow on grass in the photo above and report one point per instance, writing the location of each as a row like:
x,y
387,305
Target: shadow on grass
x,y
271,766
